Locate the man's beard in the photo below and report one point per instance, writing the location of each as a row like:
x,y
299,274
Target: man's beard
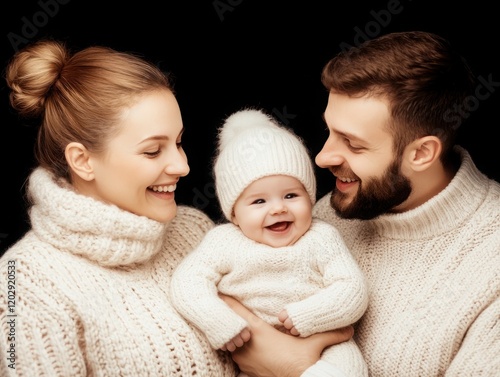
x,y
375,197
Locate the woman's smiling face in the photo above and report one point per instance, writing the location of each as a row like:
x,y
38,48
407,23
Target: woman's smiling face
x,y
143,163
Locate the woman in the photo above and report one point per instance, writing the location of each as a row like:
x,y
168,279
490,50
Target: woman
x,y
84,292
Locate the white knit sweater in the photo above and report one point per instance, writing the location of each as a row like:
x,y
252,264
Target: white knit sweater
x,y
434,281
316,280
91,292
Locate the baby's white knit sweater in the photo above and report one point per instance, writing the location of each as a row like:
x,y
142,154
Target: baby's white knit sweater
x,y
316,280
91,292
434,281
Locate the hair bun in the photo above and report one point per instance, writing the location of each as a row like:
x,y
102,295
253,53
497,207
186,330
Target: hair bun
x,y
31,74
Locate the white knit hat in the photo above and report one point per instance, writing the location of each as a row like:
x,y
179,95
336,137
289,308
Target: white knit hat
x,y
253,145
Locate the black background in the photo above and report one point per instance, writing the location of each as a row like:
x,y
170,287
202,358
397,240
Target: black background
x,y
225,55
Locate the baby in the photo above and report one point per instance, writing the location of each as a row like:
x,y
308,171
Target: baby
x,y
290,269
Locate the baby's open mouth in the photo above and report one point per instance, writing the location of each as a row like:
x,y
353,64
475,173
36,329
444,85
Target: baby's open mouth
x,y
279,226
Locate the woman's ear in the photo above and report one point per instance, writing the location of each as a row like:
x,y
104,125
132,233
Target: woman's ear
x,y
78,158
424,152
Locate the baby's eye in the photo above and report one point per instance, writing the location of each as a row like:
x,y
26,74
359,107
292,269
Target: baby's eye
x,y
258,201
291,195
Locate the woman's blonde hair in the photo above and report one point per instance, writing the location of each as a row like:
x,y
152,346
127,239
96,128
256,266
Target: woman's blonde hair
x,y
78,97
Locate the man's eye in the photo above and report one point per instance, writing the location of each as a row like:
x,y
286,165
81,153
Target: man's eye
x,y
352,147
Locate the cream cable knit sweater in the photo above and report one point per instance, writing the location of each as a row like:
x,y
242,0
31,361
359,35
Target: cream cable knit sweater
x,y
316,280
91,292
434,281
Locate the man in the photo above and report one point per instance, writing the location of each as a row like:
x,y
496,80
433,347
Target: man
x,y
421,220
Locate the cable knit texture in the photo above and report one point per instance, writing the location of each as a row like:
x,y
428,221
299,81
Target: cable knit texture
x,y
316,280
92,287
434,281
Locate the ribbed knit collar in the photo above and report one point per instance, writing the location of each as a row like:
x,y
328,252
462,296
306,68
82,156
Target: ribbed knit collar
x,y
92,229
443,212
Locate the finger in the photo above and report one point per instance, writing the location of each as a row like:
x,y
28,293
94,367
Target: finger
x,y
283,316
238,342
241,310
322,340
245,335
230,346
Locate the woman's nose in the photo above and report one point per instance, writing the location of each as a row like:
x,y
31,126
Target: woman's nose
x,y
177,164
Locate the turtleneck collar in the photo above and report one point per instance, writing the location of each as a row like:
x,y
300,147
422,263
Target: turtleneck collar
x,y
81,225
445,211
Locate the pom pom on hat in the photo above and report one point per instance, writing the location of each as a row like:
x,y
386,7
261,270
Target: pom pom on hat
x,y
253,145
242,121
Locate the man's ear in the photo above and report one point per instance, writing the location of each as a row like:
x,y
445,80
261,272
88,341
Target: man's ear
x,y
424,152
78,158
